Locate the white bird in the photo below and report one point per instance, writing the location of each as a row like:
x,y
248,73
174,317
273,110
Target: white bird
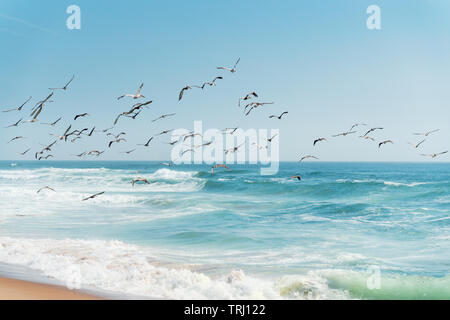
x,y
137,95
434,155
65,86
232,70
18,108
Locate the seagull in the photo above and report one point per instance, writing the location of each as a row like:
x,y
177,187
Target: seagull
x,y
371,130
187,150
93,196
163,132
384,142
180,96
426,134
80,116
116,141
368,138
16,138
75,139
279,117
254,105
65,135
234,149
233,70
344,134
164,116
53,123
40,105
40,158
270,140
296,177
128,152
166,164
308,157
65,86
318,140
218,166
116,136
44,188
357,125
80,155
18,108
14,124
247,97
417,145
95,152
134,96
23,153
139,180
189,135
212,83
227,130
434,155
92,131
148,142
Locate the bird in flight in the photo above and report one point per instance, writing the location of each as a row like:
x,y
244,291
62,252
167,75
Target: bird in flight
x,y
23,153
234,149
137,95
148,142
40,105
357,125
95,152
367,138
45,188
48,156
14,124
139,180
94,196
65,86
255,105
128,152
279,117
16,138
270,140
371,130
426,134
18,108
65,135
232,70
166,164
163,116
116,141
180,96
319,140
53,123
80,116
384,142
218,166
308,157
247,97
418,144
344,134
230,130
296,177
434,155
211,84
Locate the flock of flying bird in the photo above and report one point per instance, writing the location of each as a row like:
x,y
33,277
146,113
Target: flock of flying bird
x,y
137,108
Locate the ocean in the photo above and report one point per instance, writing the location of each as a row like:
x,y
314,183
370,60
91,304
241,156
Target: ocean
x,y
345,231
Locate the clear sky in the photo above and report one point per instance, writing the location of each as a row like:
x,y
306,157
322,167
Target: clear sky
x,y
315,59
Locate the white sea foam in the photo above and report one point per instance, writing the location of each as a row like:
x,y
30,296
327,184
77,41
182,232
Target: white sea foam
x,y
129,269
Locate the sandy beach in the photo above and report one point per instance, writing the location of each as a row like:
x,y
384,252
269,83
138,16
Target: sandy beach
x,y
11,289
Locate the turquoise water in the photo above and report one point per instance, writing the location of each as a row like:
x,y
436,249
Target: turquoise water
x,y
235,234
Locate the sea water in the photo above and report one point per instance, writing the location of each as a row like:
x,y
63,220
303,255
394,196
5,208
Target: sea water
x,y
345,231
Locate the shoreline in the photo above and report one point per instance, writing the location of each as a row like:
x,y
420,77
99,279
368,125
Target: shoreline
x,y
13,289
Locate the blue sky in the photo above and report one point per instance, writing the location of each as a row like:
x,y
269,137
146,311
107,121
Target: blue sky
x,y
315,59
